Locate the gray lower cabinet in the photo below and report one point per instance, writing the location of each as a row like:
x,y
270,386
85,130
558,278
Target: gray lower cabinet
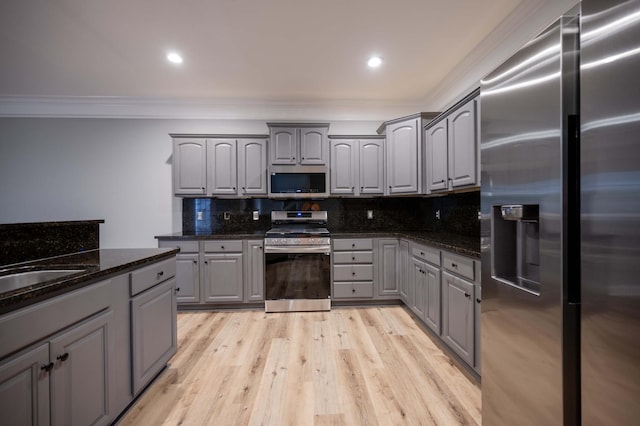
x,y
419,287
60,381
223,271
458,325
403,271
24,388
433,297
80,375
60,378
388,256
218,271
352,269
254,271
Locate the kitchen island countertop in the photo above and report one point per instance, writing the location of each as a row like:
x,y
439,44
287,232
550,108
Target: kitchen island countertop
x,y
96,265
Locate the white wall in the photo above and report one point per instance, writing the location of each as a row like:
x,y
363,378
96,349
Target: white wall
x,y
118,170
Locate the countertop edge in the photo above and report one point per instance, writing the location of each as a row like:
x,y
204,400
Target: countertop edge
x,y
27,296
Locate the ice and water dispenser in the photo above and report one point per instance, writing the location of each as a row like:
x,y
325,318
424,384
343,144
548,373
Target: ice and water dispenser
x,y
516,246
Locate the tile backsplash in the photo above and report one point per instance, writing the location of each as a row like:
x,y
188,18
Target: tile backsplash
x,y
458,214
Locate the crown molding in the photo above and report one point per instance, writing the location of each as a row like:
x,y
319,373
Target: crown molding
x,y
167,108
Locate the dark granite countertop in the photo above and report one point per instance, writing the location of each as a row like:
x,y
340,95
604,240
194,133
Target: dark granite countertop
x,y
460,244
96,265
221,235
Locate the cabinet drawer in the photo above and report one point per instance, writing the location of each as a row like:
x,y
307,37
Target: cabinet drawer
x,y
184,246
148,276
353,290
353,257
458,265
353,244
428,254
223,246
353,272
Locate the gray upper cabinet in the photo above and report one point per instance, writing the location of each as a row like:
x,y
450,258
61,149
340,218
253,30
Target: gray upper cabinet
x,y
283,145
403,153
437,157
313,146
463,145
357,166
252,166
222,176
189,166
453,149
371,170
344,166
298,143
220,165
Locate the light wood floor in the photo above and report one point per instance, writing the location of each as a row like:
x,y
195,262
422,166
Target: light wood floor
x,y
349,366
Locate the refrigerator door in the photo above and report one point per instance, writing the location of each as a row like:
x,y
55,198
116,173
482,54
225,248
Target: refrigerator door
x,y
610,204
525,104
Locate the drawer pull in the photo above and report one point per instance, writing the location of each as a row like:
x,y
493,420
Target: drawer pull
x,y
353,273
63,357
467,295
177,289
353,258
421,253
47,367
195,261
353,290
478,300
161,273
353,245
454,265
222,247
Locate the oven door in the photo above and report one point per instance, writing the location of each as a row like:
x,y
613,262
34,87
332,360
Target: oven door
x,y
297,278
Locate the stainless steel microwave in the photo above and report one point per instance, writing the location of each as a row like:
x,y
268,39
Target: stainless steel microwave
x,y
299,184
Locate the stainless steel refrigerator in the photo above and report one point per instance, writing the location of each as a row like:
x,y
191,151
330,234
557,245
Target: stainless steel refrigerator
x,y
560,201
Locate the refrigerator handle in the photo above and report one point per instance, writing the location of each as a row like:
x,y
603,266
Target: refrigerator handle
x,y
572,236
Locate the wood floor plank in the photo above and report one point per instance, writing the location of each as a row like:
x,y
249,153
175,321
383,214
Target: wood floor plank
x,y
349,366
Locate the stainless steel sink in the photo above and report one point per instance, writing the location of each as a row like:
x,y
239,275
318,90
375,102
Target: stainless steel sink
x,y
22,279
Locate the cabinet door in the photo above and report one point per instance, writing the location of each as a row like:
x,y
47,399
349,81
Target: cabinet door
x,y
188,278
189,167
419,287
458,315
387,258
80,376
254,277
283,145
478,351
433,299
343,168
313,144
223,277
437,154
371,161
403,271
153,332
403,161
24,388
463,139
222,176
252,166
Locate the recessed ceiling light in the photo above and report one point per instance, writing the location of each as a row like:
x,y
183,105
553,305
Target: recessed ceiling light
x,y
374,61
174,58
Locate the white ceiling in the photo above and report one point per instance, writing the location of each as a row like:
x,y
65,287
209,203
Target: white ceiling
x,y
253,58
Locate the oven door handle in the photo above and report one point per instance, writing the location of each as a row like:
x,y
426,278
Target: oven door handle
x,y
324,249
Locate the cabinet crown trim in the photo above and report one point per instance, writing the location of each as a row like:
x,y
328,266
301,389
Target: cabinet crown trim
x,y
217,136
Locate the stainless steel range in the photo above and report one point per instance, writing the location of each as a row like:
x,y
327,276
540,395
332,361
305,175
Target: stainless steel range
x,y
297,252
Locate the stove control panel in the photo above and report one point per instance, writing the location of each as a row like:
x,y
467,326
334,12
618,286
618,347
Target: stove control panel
x,y
297,241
